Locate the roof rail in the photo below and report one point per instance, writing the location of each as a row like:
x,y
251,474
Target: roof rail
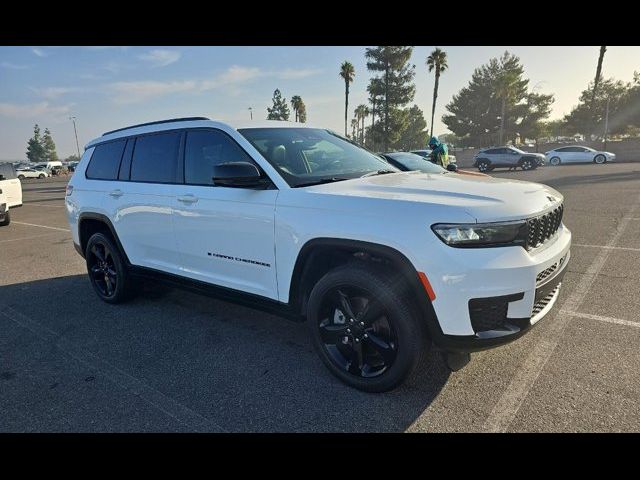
x,y
184,119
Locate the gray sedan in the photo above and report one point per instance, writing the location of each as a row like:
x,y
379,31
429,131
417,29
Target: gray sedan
x,y
511,157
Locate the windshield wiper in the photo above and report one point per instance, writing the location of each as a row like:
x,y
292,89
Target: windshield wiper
x,y
378,172
321,181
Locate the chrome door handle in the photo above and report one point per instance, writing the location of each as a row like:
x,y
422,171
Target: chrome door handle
x,y
116,193
188,198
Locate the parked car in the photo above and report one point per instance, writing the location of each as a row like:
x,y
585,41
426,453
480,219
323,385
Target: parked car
x,y
427,154
407,161
299,221
511,157
578,154
31,173
10,192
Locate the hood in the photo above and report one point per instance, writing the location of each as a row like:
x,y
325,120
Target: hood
x,y
484,198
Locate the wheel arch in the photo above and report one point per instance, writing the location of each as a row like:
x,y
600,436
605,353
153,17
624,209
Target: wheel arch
x,y
319,255
90,223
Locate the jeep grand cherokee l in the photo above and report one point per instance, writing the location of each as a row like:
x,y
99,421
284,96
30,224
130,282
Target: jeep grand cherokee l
x,y
297,220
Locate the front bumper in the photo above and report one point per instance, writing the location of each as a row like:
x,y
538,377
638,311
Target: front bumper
x,y
510,275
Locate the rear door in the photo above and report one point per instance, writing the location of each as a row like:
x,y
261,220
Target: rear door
x,y
11,185
225,235
583,155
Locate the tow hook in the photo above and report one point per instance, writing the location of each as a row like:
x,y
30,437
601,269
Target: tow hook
x,y
456,361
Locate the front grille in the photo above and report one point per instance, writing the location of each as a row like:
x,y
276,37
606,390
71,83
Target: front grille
x,y
542,228
543,302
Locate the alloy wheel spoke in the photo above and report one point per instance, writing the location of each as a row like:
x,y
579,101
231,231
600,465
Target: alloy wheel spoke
x,y
371,312
333,334
345,303
109,287
96,251
355,363
382,347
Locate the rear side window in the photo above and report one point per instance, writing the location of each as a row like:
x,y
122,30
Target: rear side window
x,y
105,161
155,158
204,150
7,171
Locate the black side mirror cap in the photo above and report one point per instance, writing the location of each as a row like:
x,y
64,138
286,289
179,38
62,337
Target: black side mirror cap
x,y
237,174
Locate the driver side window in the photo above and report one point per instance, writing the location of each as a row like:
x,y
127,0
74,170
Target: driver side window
x,y
204,149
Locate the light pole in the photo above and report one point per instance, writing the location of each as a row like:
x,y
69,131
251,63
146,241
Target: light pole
x,y
75,131
251,112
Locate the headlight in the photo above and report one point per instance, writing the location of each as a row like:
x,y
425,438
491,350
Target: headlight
x,y
466,235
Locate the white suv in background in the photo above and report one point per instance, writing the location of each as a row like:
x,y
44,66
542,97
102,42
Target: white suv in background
x,y
10,192
299,221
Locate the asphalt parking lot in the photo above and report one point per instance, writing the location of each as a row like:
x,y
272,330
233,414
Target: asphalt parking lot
x,y
176,361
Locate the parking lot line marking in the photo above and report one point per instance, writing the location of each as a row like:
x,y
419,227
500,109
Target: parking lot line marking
x,y
600,318
28,238
130,384
505,410
41,226
605,246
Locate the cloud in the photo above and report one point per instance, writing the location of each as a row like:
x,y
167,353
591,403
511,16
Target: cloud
x,y
232,76
13,66
161,58
51,93
135,92
105,47
297,73
34,110
39,52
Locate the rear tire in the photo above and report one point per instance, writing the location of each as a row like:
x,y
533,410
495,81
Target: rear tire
x,y
364,327
107,269
526,164
20,177
7,219
41,176
484,166
600,159
555,161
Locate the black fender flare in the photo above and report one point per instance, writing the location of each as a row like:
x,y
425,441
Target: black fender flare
x,y
105,220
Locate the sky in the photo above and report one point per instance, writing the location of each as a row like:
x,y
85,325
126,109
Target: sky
x,y
111,87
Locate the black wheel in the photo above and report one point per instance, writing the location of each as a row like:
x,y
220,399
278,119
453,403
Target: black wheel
x,y
41,176
364,328
600,159
526,164
483,165
20,177
7,219
555,161
107,270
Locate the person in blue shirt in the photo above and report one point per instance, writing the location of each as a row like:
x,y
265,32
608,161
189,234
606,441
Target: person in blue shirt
x,y
439,152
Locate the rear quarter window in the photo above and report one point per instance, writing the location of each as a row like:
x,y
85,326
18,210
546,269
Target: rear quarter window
x,y
105,161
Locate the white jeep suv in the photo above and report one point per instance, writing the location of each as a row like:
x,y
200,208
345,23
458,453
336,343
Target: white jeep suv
x,y
300,221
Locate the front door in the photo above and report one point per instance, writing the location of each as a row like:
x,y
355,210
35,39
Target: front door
x,y
225,235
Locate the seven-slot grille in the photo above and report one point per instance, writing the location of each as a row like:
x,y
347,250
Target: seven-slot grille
x,y
542,228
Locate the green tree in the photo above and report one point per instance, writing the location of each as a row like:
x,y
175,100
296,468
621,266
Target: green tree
x,y
414,136
35,149
437,61
302,112
360,113
296,100
532,124
596,81
396,82
494,102
347,73
354,129
72,158
49,146
375,91
280,109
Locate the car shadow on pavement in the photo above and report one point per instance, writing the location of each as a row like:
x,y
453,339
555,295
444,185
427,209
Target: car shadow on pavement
x,y
239,368
632,176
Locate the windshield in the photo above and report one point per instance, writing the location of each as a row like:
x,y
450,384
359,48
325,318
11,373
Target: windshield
x,y
411,161
304,156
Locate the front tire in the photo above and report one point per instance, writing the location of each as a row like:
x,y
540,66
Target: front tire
x,y
555,161
107,270
484,166
364,328
41,176
526,164
7,219
600,159
20,177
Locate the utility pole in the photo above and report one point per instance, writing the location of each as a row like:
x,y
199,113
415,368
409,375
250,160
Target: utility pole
x,y
251,112
606,123
75,131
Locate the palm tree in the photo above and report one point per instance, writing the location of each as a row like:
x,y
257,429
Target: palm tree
x,y
375,90
347,72
598,73
436,61
361,112
354,127
296,101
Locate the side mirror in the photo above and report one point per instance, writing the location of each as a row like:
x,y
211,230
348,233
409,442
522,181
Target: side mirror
x,y
236,174
452,167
